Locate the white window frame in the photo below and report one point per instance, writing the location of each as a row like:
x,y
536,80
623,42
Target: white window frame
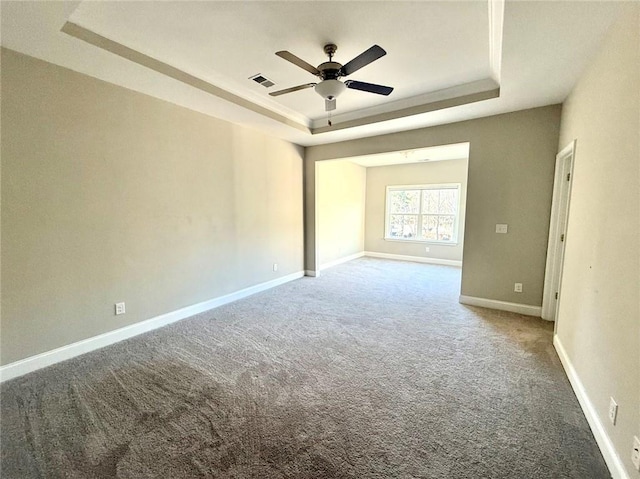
x,y
441,186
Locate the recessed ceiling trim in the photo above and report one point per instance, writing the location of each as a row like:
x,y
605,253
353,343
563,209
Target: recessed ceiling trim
x,y
410,111
486,84
496,22
123,51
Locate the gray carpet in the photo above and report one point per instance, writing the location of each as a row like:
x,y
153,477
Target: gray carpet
x,y
372,370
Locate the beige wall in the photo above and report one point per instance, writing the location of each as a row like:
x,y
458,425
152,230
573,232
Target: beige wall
x,y
510,180
438,172
109,195
599,310
311,264
340,203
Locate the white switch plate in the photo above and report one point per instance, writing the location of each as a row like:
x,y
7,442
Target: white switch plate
x,y
613,411
120,308
635,454
502,228
517,287
275,266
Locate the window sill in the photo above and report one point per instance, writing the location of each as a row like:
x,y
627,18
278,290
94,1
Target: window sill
x,y
434,243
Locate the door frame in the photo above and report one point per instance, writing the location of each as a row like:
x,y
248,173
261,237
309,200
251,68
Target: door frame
x,y
560,203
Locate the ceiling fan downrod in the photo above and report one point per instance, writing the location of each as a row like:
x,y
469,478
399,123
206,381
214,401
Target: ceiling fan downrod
x,y
330,49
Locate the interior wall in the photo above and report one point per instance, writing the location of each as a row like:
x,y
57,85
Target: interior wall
x,y
340,205
109,195
599,309
510,180
437,172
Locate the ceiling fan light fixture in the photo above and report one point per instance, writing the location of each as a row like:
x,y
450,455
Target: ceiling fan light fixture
x,y
330,89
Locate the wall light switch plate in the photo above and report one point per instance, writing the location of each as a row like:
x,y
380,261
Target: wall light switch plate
x,y
502,229
517,287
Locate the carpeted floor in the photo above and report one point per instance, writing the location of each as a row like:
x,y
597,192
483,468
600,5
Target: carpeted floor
x,y
372,370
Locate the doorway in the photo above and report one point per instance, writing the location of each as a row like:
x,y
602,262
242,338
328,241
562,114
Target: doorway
x,y
558,232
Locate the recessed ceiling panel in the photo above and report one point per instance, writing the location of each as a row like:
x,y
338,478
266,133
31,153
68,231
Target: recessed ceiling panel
x,y
430,45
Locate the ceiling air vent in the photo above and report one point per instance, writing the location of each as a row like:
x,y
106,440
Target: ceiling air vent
x,y
262,80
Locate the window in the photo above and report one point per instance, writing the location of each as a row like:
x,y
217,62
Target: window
x,y
423,213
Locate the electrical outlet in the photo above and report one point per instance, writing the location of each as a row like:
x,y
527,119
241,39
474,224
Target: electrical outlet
x,y
502,229
120,308
426,249
635,454
275,266
613,411
517,287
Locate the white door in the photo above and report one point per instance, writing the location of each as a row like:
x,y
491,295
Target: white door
x,y
557,232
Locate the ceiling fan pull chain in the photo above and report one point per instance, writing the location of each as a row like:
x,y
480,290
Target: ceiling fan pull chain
x,y
329,118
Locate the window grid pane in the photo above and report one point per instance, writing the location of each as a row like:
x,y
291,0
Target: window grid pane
x,y
406,201
445,227
403,226
447,201
430,201
430,227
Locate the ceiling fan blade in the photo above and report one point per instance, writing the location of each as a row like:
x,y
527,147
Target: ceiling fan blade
x,y
369,87
362,60
330,105
292,89
298,61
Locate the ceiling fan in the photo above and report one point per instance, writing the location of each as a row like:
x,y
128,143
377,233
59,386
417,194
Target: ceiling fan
x,y
330,72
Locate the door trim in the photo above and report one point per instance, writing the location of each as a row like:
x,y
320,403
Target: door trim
x,y
555,250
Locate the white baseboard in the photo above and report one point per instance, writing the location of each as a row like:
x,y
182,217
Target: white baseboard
x,y
415,259
501,305
341,260
312,273
63,353
616,467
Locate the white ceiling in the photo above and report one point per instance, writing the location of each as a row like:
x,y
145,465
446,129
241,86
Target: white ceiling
x,y
534,51
227,42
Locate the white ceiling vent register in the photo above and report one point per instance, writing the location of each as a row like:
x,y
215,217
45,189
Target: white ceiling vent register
x,y
262,80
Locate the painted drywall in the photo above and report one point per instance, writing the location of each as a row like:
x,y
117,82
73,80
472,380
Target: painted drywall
x,y
599,310
340,205
510,180
311,265
438,172
109,195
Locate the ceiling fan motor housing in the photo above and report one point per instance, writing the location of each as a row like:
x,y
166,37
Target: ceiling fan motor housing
x,y
330,70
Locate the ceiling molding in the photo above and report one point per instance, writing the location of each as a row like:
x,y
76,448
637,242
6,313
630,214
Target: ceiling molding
x,y
412,110
123,51
496,22
464,89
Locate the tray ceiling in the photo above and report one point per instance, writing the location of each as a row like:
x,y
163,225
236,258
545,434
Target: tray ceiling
x,y
448,61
